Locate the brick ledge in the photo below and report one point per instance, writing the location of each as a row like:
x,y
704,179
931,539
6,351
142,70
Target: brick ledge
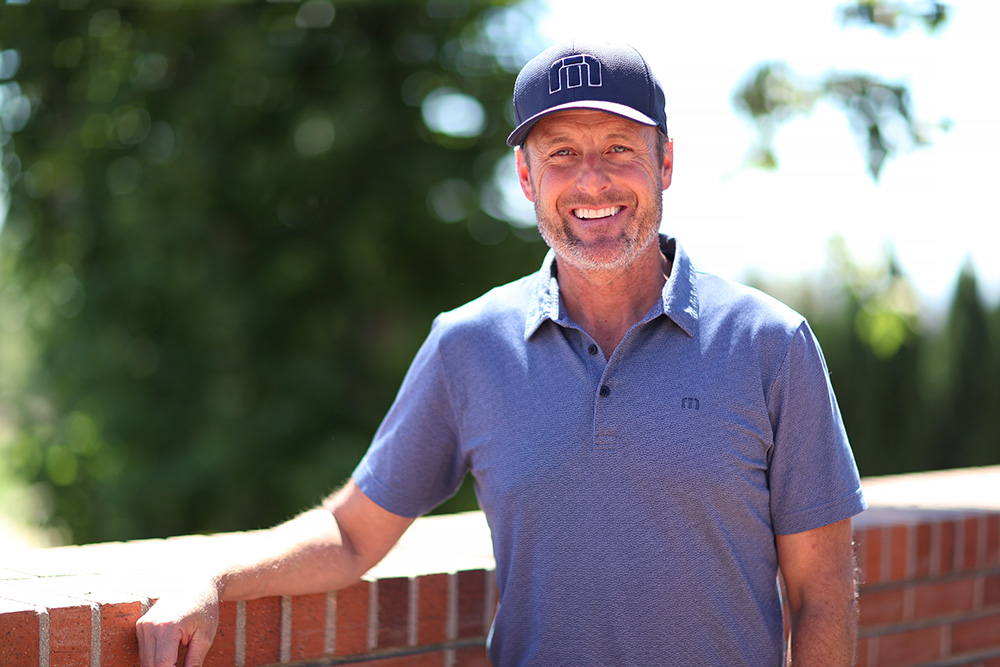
x,y
928,548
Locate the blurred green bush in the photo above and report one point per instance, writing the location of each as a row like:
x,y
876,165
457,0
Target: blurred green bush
x,y
230,227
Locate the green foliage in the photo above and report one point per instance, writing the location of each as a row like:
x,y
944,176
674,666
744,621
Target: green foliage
x,y
895,17
913,396
220,255
231,224
880,113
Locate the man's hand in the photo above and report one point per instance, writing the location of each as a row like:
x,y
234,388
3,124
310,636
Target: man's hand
x,y
189,618
323,549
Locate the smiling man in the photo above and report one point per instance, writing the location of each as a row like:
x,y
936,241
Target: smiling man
x,y
650,444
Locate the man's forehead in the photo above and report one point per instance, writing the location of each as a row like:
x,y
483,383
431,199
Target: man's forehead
x,y
572,123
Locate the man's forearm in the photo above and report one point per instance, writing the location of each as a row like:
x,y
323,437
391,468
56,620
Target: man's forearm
x,y
824,634
307,554
323,549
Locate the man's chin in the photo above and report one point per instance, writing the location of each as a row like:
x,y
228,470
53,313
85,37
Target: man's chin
x,y
601,257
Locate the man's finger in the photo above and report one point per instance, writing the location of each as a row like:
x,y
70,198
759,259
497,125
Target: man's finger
x,y
165,643
146,644
155,646
197,649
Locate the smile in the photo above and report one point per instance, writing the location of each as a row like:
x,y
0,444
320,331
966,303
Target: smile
x,y
596,213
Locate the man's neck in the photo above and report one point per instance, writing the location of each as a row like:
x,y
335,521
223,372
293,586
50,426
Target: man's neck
x,y
607,303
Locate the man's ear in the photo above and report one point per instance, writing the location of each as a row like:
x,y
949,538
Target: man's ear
x,y
524,174
668,161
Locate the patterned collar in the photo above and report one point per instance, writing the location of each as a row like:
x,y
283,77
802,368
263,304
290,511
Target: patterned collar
x,y
679,299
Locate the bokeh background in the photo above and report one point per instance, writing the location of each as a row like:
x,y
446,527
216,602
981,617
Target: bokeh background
x,y
226,227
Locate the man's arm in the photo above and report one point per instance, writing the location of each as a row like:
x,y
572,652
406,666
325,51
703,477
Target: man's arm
x,y
818,568
324,549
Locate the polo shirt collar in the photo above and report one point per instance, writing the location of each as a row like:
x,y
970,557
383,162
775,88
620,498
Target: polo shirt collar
x,y
679,298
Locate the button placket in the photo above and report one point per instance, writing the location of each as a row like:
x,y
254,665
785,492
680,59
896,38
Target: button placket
x,y
605,411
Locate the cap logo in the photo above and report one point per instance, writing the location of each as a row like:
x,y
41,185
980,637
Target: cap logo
x,y
574,72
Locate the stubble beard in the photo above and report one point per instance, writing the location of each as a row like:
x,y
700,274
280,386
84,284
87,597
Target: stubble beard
x,y
611,255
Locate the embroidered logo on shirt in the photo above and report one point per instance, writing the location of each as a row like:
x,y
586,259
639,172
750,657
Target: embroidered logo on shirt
x,y
689,403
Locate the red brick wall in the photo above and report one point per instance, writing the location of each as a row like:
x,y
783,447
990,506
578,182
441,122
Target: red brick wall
x,y
930,592
930,596
436,619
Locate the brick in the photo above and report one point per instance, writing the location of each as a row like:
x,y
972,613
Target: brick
x,y
992,540
861,652
870,555
947,547
263,633
393,611
20,634
899,552
909,648
991,591
352,619
472,657
471,603
976,635
70,636
223,651
970,546
117,612
923,555
432,659
878,608
308,627
432,609
943,599
70,620
119,645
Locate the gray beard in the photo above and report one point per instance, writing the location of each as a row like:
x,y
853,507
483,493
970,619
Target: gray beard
x,y
573,250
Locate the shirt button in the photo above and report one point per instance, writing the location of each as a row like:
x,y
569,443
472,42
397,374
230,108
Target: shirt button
x,y
592,349
605,390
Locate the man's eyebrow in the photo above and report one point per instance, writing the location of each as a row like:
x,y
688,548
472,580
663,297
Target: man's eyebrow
x,y
549,141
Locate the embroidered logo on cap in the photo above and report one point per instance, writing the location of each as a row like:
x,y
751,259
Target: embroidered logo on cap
x,y
574,72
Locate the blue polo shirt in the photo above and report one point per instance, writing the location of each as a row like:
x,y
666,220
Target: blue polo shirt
x,y
633,500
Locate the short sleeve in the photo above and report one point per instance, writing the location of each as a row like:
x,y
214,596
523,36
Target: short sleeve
x,y
813,477
414,463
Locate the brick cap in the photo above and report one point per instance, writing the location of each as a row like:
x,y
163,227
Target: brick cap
x,y
961,489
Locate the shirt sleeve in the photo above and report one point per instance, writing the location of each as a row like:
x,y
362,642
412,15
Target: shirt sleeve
x,y
813,477
414,462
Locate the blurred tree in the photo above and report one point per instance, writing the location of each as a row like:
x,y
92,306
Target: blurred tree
x,y
913,397
968,427
230,226
880,113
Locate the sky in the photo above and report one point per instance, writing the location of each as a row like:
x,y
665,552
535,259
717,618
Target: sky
x,y
935,206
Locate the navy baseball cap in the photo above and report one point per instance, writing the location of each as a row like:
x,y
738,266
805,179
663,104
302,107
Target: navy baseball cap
x,y
587,75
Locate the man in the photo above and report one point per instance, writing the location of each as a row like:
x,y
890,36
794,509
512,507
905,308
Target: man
x,y
650,444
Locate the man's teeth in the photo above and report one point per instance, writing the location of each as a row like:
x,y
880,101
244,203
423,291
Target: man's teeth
x,y
592,213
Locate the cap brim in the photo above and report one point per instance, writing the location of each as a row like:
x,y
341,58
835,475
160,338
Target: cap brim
x,y
520,133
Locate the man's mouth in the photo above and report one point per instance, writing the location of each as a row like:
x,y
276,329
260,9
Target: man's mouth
x,y
596,213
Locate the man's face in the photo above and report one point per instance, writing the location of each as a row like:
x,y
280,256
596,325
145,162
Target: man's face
x,y
596,180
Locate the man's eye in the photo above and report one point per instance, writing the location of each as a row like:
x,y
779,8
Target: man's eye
x,y
562,152
619,149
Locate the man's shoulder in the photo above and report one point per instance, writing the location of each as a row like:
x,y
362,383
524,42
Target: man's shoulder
x,y
724,300
502,308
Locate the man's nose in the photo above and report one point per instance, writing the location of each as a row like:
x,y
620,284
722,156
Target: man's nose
x,y
593,178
